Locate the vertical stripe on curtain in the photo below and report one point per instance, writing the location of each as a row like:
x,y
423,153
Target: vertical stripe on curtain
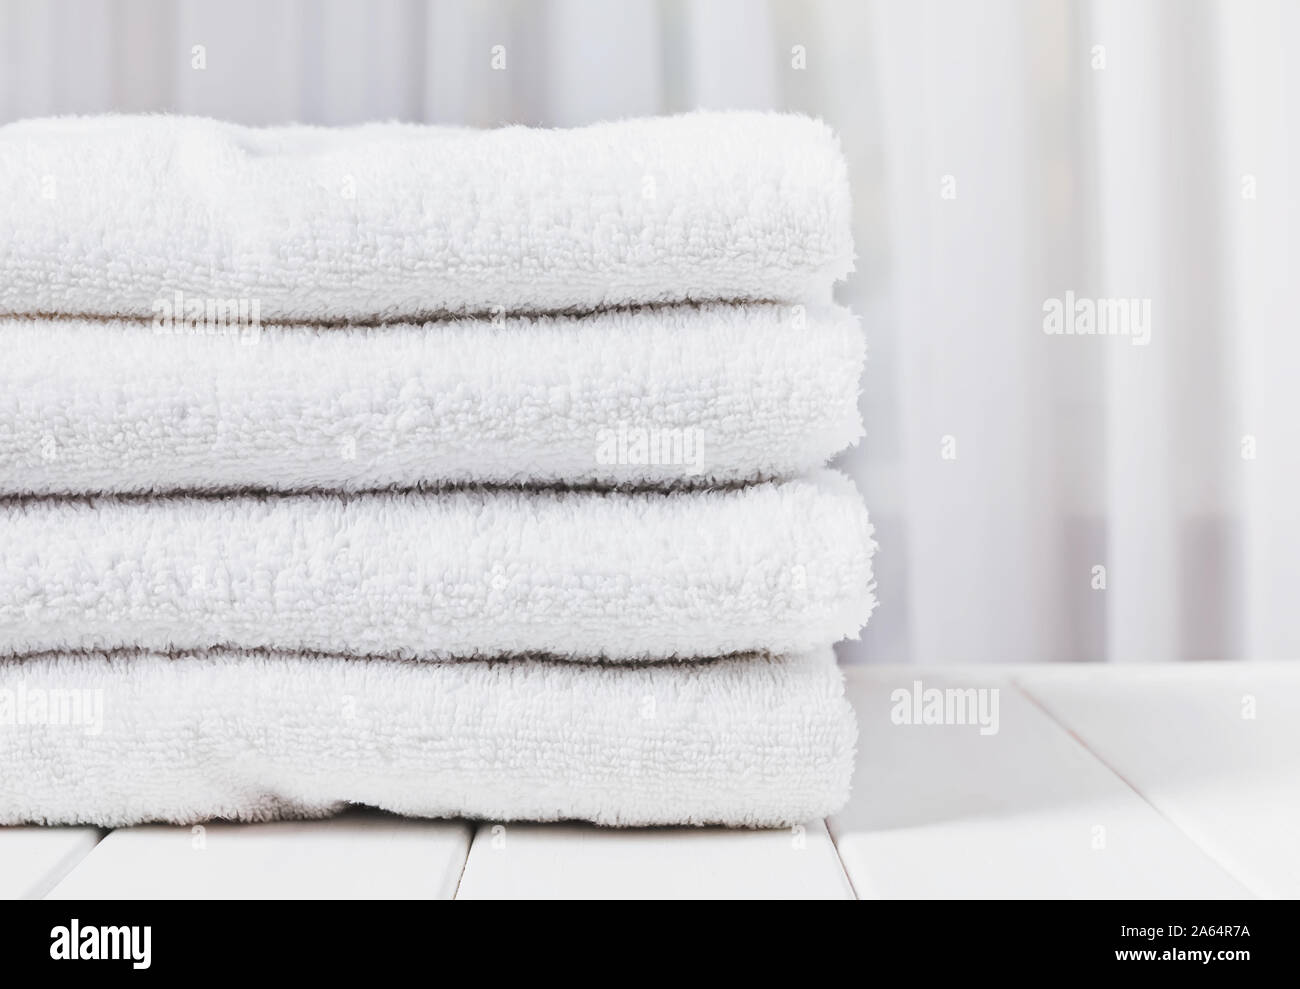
x,y
1002,154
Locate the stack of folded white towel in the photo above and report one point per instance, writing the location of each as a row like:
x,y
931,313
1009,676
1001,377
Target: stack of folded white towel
x,y
444,471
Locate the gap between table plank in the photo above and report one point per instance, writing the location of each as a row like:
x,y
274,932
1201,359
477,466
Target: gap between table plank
x,y
524,861
1223,767
359,854
941,810
33,859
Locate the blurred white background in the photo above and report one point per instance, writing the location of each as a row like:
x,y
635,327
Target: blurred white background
x,y
1002,153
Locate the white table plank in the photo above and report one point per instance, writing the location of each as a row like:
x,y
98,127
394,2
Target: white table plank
x,y
943,811
572,861
360,854
33,859
1185,738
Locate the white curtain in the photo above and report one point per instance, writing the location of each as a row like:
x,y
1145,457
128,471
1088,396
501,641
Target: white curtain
x,y
1038,497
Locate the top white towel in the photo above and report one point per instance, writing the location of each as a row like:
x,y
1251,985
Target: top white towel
x,y
113,215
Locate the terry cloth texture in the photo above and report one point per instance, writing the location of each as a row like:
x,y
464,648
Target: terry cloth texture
x,y
778,567
451,472
676,395
109,215
125,739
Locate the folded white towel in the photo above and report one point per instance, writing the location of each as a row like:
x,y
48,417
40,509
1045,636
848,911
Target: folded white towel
x,y
782,567
124,739
668,395
109,215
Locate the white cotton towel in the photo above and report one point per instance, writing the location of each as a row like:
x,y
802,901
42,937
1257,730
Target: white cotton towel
x,y
111,215
659,396
125,739
781,567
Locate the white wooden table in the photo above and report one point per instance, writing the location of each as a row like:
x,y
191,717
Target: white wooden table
x,y
1114,781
